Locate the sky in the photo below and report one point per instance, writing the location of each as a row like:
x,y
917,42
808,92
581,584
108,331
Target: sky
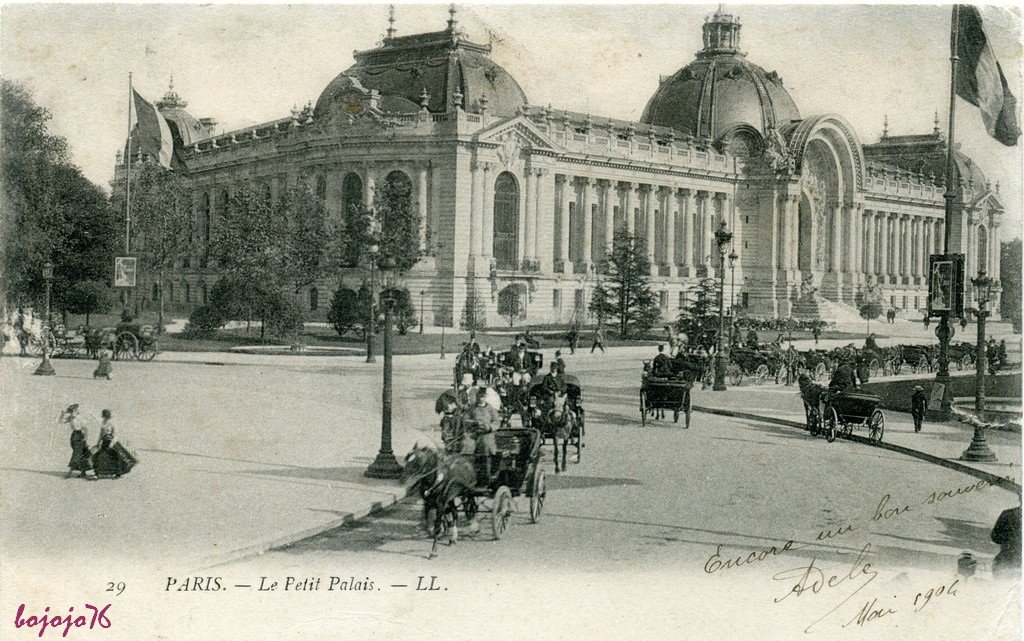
x,y
245,64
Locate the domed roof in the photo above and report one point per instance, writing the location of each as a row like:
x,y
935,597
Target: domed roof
x,y
429,68
721,92
185,128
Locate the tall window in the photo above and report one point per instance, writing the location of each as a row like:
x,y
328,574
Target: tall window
x,y
506,220
314,299
321,188
203,292
188,293
351,191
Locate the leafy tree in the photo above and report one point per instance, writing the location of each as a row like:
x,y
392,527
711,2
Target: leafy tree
x,y
204,321
344,312
161,219
699,316
510,304
237,298
364,297
89,297
1010,275
392,222
869,311
626,295
403,314
601,303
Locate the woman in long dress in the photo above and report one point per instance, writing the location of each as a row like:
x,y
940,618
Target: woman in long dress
x,y
111,459
81,457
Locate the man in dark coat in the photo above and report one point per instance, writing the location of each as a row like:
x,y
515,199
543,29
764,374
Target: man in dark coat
x,y
662,367
918,405
1007,534
752,339
552,382
870,344
843,378
560,362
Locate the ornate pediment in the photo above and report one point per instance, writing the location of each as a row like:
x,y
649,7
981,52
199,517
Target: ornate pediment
x,y
514,136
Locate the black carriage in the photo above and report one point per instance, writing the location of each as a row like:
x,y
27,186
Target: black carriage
x,y
135,341
518,474
818,363
568,423
920,358
961,354
672,393
68,343
760,365
843,411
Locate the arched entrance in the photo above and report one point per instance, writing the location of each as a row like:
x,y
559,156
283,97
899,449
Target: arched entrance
x,y
506,221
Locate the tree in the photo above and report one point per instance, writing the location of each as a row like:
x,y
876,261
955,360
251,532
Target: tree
x,y
627,294
161,219
600,303
699,316
344,312
474,317
510,304
238,298
869,311
89,297
1010,275
51,211
403,314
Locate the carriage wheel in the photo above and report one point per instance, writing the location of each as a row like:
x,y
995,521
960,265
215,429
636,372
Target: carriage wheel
x,y
819,371
537,495
874,367
831,423
761,374
501,512
126,346
643,409
148,351
922,364
814,421
876,426
735,374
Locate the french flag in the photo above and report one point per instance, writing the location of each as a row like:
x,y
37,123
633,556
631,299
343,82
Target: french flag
x,y
152,134
979,78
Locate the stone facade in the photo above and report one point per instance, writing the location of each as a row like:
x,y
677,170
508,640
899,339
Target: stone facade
x,y
514,196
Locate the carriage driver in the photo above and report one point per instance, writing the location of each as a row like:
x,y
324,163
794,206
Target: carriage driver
x,y
843,378
485,420
662,367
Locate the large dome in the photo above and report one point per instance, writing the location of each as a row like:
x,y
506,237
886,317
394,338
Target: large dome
x,y
721,95
433,68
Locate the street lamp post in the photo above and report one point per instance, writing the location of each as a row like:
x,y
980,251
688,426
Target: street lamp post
x,y
733,256
978,449
385,466
45,368
372,251
722,238
423,293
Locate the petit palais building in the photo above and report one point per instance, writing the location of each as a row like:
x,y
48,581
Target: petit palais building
x,y
519,198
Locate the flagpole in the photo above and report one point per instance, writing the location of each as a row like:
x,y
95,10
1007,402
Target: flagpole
x,y
128,175
944,330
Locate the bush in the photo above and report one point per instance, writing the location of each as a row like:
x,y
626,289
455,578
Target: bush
x,y
285,318
403,314
203,322
344,312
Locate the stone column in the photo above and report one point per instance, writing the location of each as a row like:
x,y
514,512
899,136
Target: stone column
x,y
629,215
786,260
487,213
707,229
922,255
588,222
690,200
421,201
869,241
994,268
544,219
475,222
568,196
908,246
793,206
529,213
884,232
651,224
370,184
852,250
837,238
671,216
609,217
940,236
929,242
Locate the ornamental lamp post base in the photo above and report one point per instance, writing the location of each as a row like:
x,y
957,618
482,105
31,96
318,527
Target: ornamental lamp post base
x,y
385,466
45,369
978,451
719,384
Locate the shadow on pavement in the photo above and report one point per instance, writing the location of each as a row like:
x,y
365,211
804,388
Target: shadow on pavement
x,y
347,474
563,482
52,473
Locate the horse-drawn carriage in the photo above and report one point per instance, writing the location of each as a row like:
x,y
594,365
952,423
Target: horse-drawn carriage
x,y
447,481
559,418
818,363
838,413
920,358
659,393
962,354
68,343
762,365
135,341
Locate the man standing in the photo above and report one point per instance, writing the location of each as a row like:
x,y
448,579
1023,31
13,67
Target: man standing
x,y
572,337
598,340
918,405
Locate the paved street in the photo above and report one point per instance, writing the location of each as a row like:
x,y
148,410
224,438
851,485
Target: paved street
x,y
263,451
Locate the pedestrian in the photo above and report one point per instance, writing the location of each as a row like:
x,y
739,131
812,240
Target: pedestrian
x,y
19,329
918,405
963,323
104,369
560,362
598,340
111,458
572,337
816,332
1002,353
1006,533
927,321
81,456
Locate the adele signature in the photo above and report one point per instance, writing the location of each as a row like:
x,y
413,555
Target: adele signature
x,y
813,578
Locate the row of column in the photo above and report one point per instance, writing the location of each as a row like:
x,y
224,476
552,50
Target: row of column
x,y
900,244
676,224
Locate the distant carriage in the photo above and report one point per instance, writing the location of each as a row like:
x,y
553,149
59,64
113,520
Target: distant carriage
x,y
658,393
135,341
562,421
837,414
762,365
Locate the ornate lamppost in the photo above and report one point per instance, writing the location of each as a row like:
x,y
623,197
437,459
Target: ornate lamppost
x,y
978,449
45,368
372,251
733,256
722,238
385,466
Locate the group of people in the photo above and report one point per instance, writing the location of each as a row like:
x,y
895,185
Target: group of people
x,y
107,459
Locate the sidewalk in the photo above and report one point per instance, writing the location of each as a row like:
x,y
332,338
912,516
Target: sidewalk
x,y
942,443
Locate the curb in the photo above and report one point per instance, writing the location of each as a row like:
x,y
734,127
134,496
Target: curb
x,y
258,549
998,481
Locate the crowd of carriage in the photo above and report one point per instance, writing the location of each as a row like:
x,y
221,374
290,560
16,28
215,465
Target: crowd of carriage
x,y
127,340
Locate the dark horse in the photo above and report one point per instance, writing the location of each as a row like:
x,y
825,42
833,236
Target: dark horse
x,y
440,480
552,416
